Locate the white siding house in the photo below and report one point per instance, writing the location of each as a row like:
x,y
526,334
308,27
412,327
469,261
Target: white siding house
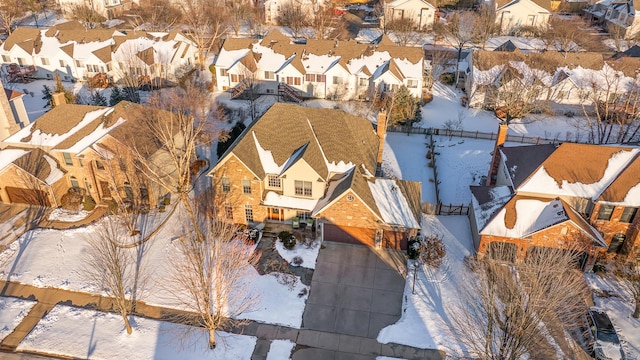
x,y
421,12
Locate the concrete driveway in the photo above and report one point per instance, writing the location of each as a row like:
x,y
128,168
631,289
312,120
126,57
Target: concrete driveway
x,y
355,290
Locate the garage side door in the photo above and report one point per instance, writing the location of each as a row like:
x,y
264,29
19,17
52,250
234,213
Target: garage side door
x,y
349,234
27,196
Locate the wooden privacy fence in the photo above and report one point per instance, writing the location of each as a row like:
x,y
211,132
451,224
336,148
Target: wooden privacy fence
x,y
443,209
479,135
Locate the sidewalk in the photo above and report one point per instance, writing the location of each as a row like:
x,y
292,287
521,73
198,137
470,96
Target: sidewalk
x,y
310,344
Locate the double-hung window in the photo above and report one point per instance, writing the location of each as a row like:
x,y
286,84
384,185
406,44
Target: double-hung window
x,y
303,188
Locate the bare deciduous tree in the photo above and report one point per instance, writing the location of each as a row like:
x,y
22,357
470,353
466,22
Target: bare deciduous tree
x,y
86,15
485,25
10,11
239,14
403,30
438,61
322,21
208,275
293,15
611,105
156,15
112,266
459,32
566,36
207,21
627,273
511,310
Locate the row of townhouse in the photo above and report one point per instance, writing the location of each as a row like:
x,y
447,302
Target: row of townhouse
x,y
547,196
561,78
74,52
320,173
90,149
318,68
618,17
107,8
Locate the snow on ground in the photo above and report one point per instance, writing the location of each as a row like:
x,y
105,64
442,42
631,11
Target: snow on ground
x,y
82,333
61,214
446,107
404,157
280,350
278,295
308,254
619,307
460,162
425,320
12,311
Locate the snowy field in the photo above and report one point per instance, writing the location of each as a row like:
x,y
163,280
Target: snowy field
x,y
425,320
81,333
619,307
22,261
12,311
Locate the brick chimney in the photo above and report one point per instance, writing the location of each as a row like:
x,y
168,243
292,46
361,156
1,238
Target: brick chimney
x,y
59,99
382,133
495,159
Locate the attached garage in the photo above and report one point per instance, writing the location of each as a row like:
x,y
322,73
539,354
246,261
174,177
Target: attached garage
x,y
348,234
363,236
28,196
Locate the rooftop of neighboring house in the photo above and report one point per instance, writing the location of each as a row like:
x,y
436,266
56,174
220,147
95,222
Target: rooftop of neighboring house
x,y
544,4
33,161
517,216
275,51
405,3
12,94
73,128
552,67
564,172
79,42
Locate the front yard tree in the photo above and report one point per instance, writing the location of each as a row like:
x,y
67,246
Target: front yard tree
x,y
403,30
208,275
510,311
177,131
112,266
628,275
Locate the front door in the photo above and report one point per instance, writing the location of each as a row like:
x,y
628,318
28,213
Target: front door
x,y
276,214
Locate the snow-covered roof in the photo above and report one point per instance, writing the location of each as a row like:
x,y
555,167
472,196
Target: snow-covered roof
x,y
486,201
275,52
392,204
523,216
39,133
7,156
565,173
80,43
625,189
282,201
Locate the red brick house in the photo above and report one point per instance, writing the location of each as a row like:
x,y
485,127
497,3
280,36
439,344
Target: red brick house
x,y
316,165
579,196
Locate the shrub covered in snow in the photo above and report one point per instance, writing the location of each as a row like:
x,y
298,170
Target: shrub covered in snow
x,y
297,261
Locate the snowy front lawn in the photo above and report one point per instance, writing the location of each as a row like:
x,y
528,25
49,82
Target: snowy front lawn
x,y
54,258
12,311
81,333
619,306
280,350
60,214
425,320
